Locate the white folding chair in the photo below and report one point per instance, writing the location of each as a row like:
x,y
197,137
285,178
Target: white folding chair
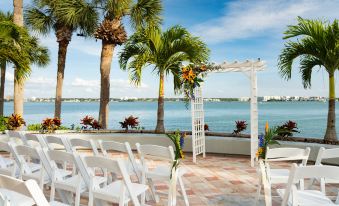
x,y
77,143
133,167
294,196
54,142
34,140
14,136
25,155
282,154
161,172
21,193
326,154
7,164
73,183
119,191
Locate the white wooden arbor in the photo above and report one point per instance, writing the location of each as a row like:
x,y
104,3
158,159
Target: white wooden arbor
x,y
249,68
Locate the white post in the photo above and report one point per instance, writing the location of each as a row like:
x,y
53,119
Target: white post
x,y
254,116
198,124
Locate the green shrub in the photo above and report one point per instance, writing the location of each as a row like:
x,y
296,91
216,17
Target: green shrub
x,y
3,123
34,127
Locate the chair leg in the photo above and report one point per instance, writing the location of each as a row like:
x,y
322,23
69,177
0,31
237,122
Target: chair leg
x,y
77,197
183,190
155,195
258,194
52,192
90,199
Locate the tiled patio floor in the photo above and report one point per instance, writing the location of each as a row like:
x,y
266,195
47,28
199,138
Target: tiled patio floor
x,y
218,180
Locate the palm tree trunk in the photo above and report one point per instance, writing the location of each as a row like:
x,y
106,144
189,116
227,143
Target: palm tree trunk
x,y
18,85
60,76
18,18
105,69
331,134
2,87
160,128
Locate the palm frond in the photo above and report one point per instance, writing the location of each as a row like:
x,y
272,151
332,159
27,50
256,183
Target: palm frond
x,y
307,63
146,13
40,20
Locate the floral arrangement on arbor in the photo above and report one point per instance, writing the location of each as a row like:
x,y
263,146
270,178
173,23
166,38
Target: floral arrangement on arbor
x,y
267,139
49,125
240,126
89,122
15,121
191,77
288,128
130,122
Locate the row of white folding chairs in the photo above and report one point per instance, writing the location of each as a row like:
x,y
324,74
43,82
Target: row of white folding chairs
x,y
161,172
47,173
269,176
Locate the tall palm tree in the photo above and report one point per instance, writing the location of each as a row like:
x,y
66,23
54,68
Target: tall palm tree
x,y
166,51
4,18
20,49
18,85
47,15
318,45
111,32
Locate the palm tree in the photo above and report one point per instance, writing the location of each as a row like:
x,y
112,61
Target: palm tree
x,y
166,51
47,15
18,85
111,32
317,46
20,49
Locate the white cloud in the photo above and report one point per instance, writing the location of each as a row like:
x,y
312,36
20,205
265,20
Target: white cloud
x,y
115,84
243,19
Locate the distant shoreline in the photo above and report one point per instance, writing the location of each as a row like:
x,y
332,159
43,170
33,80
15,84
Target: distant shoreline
x,y
260,99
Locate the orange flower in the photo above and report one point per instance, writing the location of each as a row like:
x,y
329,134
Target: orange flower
x,y
203,68
266,127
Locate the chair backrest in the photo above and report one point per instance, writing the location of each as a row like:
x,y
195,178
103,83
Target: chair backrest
x,y
324,154
30,139
60,141
4,146
27,188
107,146
156,152
287,154
12,133
60,157
298,173
23,151
116,166
77,143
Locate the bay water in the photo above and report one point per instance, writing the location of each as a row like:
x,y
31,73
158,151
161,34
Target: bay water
x,y
311,117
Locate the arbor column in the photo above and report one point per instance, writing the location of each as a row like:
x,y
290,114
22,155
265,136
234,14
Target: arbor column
x,y
254,116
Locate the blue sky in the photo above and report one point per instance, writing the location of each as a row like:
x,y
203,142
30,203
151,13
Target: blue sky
x,y
233,30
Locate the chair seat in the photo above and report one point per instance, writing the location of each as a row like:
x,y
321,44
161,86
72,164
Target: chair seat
x,y
71,184
36,176
17,199
163,172
111,192
279,175
308,197
62,173
56,203
6,162
33,166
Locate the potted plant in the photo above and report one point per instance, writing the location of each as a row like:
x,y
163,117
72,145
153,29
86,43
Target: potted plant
x,y
49,125
15,122
287,129
89,122
240,126
130,122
